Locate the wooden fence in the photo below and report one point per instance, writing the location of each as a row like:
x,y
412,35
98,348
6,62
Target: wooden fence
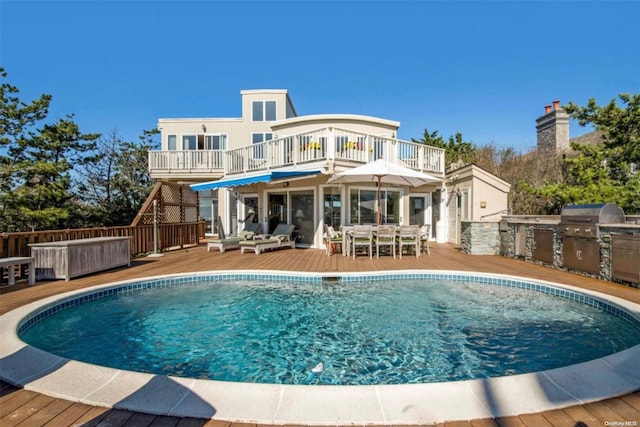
x,y
170,236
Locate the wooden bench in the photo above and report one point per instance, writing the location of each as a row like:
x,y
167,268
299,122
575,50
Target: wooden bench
x,y
11,263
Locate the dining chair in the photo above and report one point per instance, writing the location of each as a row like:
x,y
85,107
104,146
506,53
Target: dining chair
x,y
386,236
424,238
409,235
332,239
362,235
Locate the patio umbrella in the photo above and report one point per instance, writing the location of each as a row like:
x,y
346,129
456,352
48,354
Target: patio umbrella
x,y
383,172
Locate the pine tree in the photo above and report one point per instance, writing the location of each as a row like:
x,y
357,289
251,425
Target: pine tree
x,y
36,163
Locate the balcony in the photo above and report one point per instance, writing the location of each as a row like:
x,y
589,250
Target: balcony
x,y
186,164
316,148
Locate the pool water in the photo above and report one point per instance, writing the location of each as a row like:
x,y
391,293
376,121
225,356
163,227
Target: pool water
x,y
367,332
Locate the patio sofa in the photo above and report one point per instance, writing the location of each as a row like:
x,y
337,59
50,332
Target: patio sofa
x,y
280,238
225,243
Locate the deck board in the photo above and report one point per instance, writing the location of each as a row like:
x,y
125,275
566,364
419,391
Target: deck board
x,y
26,408
73,415
559,418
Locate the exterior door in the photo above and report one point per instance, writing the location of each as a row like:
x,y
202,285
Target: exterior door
x,y
420,211
301,215
247,210
332,206
276,211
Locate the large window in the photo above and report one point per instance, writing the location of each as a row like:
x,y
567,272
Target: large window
x,y
364,204
263,111
215,142
199,142
189,142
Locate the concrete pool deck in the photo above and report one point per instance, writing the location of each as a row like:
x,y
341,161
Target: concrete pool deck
x,y
321,405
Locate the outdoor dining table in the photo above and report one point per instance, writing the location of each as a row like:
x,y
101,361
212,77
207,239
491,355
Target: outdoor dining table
x,y
346,233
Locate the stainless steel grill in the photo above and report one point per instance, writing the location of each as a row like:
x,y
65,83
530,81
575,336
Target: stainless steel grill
x,y
580,232
583,220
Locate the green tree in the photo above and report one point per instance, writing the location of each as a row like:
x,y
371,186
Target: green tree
x,y
114,186
17,118
456,149
606,172
36,163
523,171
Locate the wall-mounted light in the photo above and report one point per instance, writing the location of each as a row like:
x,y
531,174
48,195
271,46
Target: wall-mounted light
x,y
204,128
285,184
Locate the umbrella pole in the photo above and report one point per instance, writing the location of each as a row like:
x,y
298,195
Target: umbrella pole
x,y
379,201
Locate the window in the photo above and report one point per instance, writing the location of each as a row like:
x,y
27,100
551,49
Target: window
x,y
390,212
261,137
263,111
466,201
189,142
341,142
291,112
172,142
258,115
215,142
364,202
332,204
270,110
257,138
199,142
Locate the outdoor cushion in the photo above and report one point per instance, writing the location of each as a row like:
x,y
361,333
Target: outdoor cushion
x,y
280,238
229,242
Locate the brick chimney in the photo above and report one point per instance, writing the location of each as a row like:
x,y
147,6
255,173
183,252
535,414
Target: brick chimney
x,y
553,129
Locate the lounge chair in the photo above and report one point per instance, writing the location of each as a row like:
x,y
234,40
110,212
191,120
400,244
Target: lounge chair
x,y
280,238
250,229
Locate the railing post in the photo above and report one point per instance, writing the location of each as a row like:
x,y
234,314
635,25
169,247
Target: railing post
x,y
155,231
331,145
155,226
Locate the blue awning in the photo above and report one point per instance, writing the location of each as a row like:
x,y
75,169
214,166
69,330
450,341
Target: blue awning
x,y
247,180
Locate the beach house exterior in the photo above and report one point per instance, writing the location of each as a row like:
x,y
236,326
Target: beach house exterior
x,y
271,166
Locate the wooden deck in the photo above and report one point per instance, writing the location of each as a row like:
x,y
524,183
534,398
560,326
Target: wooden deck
x,y
20,407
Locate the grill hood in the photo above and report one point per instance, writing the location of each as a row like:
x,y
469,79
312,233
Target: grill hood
x,y
603,213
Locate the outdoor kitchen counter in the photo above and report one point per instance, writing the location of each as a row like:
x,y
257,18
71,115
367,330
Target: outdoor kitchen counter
x,y
72,258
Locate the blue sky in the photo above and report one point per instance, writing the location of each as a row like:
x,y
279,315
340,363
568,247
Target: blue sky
x,y
486,69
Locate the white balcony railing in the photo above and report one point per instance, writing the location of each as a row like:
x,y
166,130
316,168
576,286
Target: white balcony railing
x,y
315,146
204,160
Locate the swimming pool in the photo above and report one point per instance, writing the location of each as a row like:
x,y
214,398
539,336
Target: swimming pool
x,y
41,371
382,329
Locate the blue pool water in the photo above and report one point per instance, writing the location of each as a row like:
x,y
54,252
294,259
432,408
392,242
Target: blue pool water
x,y
363,332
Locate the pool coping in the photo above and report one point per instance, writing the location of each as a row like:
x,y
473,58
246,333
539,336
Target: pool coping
x,y
42,372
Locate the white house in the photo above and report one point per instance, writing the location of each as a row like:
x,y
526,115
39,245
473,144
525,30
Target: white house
x,y
271,166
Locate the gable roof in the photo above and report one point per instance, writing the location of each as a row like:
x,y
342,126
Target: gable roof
x,y
591,138
473,171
